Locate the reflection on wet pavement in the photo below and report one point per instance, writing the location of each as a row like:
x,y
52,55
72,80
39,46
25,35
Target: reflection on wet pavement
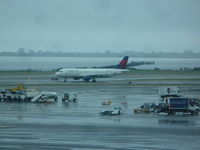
x,y
79,125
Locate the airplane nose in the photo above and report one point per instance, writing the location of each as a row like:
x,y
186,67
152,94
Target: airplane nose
x,y
57,74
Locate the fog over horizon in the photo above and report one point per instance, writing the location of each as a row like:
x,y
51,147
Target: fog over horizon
x,y
100,25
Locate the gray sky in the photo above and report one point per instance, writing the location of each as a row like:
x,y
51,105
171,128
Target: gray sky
x,y
99,25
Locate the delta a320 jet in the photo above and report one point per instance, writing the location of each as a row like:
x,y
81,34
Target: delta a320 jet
x,y
88,74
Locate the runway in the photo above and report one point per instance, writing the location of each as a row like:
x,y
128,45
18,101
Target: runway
x,y
136,78
77,126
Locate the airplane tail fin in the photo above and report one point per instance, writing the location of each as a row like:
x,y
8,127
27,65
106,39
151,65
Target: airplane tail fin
x,y
122,64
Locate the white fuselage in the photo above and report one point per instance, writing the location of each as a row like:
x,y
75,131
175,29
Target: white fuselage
x,y
88,73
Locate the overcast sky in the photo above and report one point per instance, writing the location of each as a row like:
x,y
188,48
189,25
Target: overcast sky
x,y
99,25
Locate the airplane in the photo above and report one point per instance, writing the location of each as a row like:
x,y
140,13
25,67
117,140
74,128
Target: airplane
x,y
88,74
122,64
131,64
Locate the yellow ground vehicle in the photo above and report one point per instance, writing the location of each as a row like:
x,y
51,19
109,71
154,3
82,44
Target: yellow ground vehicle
x,y
20,87
107,102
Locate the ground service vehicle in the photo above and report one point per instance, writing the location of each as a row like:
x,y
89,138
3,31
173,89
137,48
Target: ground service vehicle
x,y
178,104
112,111
45,97
146,108
70,97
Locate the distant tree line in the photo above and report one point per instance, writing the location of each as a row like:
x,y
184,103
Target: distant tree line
x,y
107,53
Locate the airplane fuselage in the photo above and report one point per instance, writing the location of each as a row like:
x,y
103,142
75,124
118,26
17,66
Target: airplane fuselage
x,y
88,73
92,73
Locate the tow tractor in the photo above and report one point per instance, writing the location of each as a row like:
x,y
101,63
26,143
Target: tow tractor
x,y
146,108
106,102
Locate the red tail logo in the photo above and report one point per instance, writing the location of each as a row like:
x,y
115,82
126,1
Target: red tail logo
x,y
123,62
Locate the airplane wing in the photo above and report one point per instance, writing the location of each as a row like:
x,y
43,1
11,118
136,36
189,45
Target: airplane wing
x,y
90,76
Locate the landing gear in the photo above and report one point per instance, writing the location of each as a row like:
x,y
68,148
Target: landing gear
x,y
87,80
65,80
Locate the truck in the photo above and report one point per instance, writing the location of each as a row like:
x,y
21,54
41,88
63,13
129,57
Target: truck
x,y
178,104
112,111
70,97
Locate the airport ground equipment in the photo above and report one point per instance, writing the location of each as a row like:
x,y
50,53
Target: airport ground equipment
x,y
170,91
146,108
7,96
112,111
106,102
70,97
124,103
45,97
20,87
20,95
54,78
178,104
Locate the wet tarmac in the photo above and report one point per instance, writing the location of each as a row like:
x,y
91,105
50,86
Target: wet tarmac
x,y
137,79
74,126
